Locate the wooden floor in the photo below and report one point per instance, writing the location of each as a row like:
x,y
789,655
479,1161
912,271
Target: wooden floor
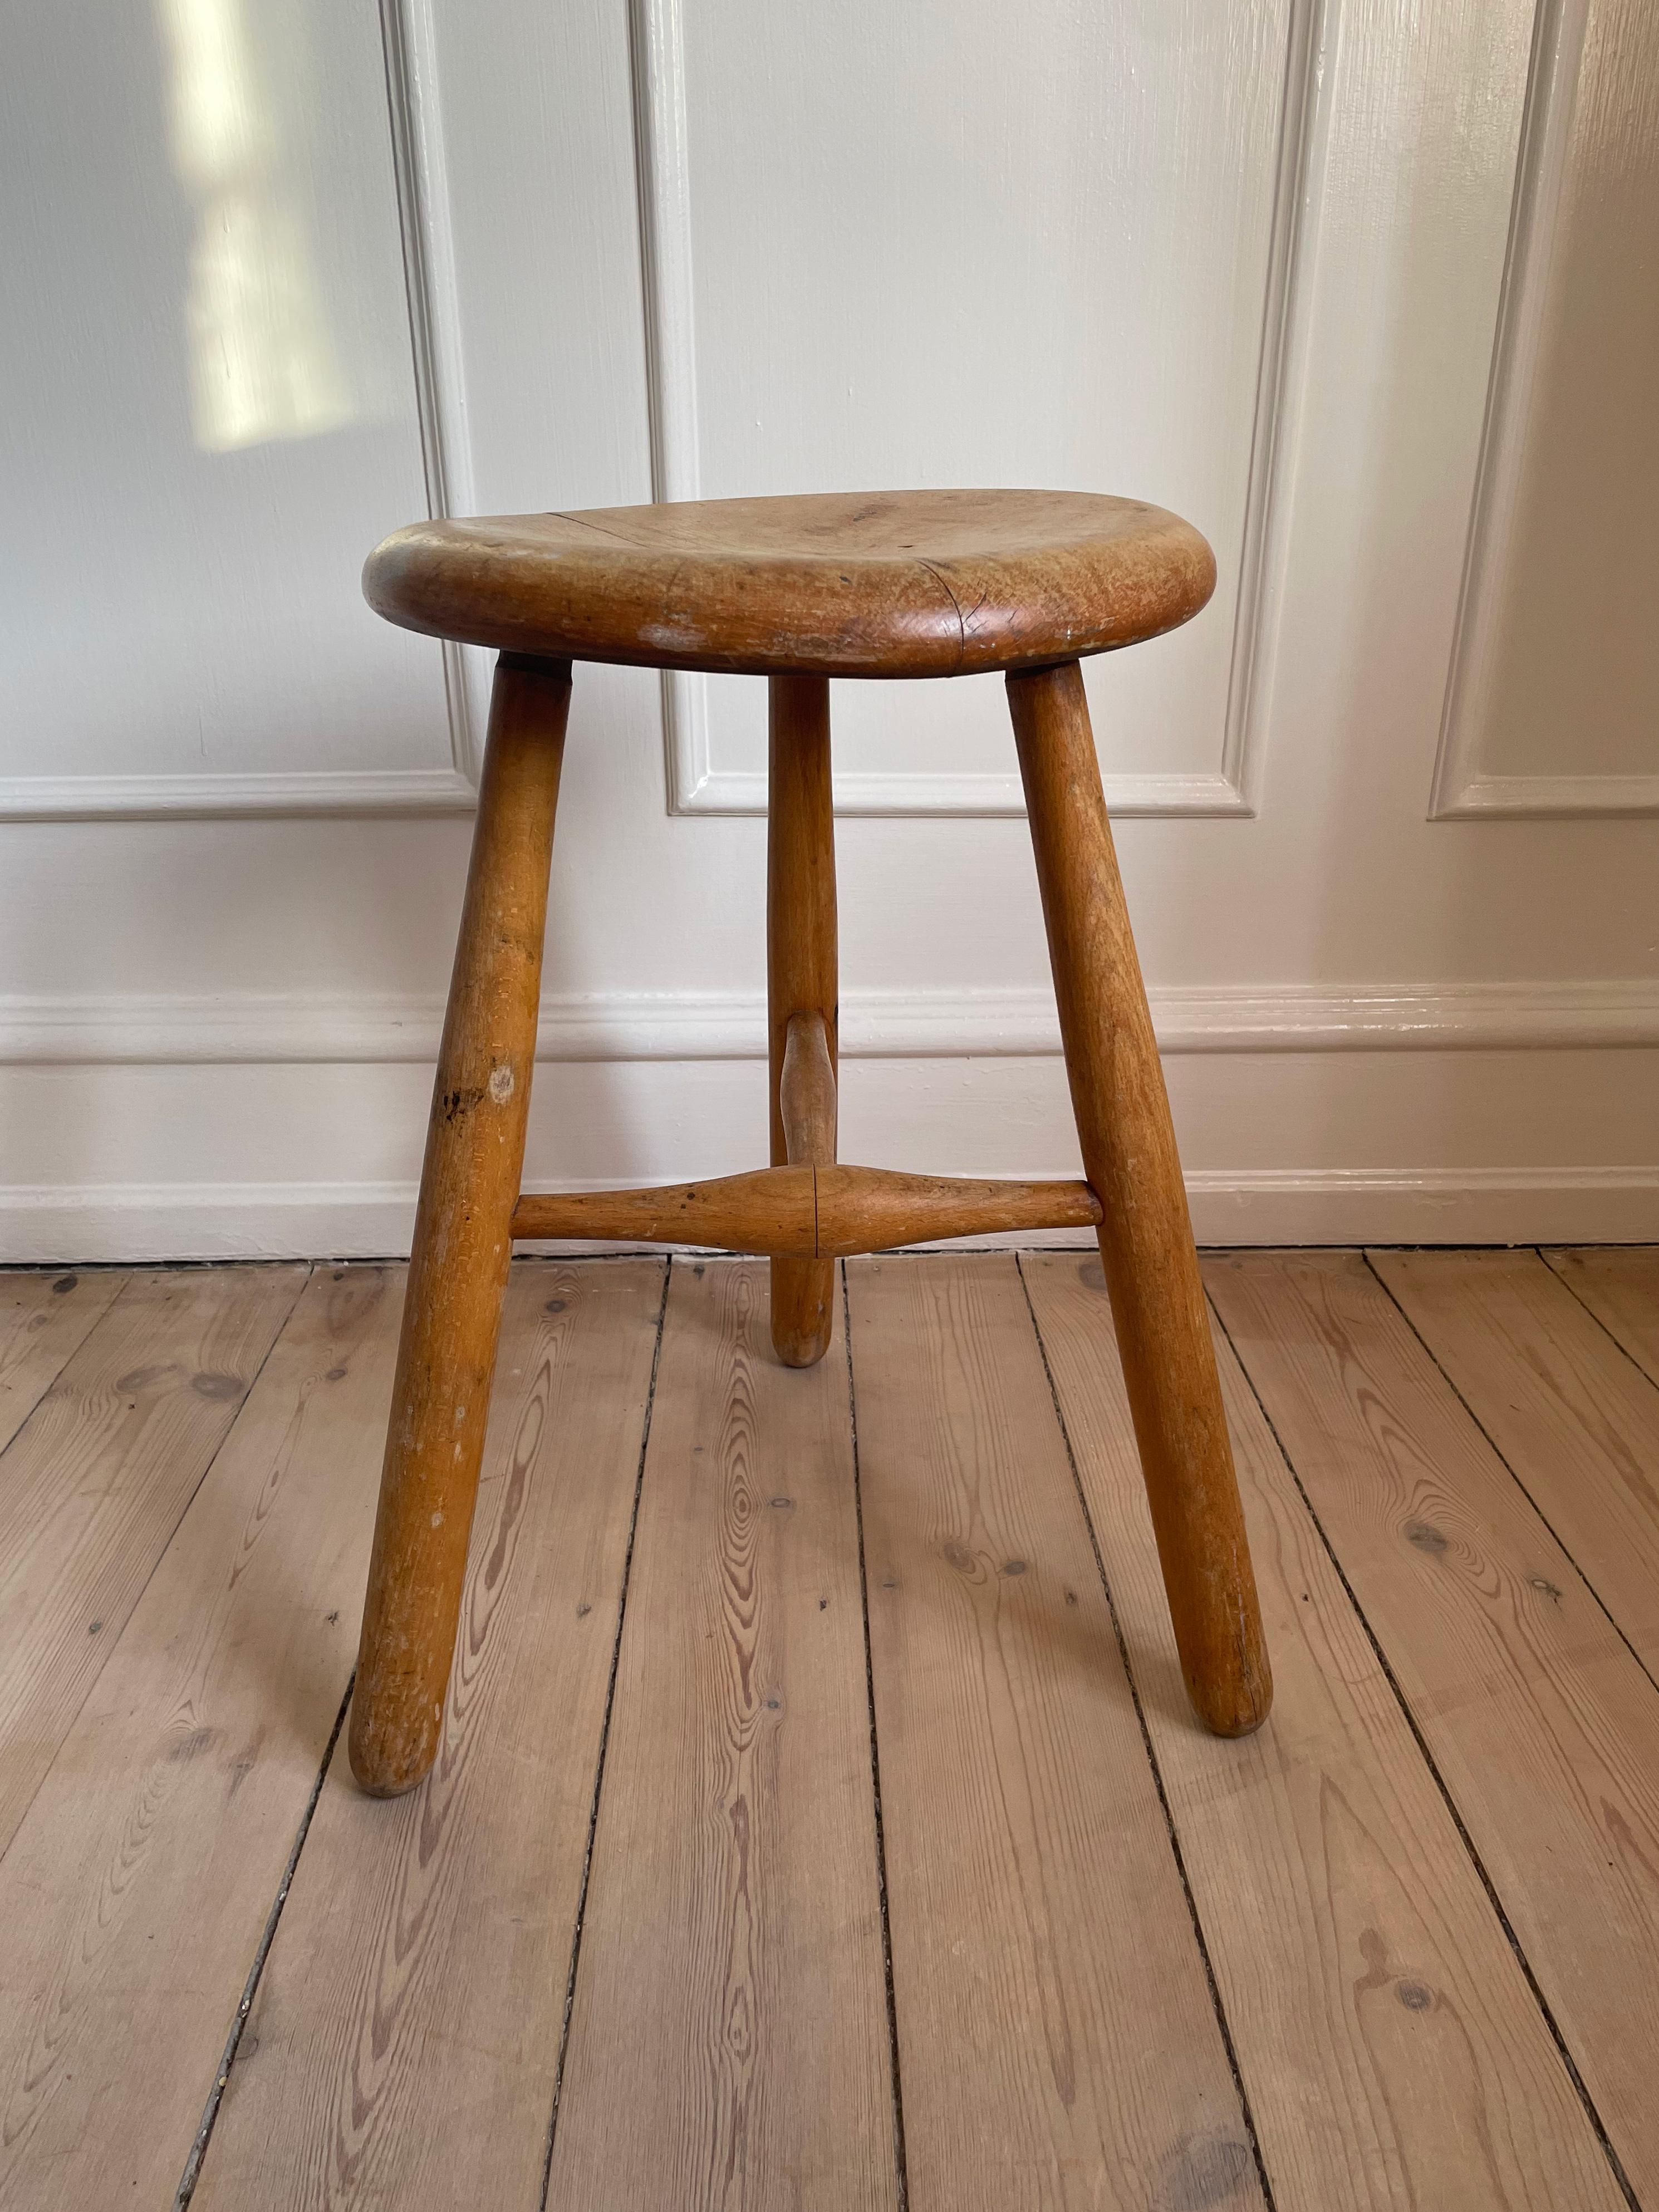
x,y
820,1821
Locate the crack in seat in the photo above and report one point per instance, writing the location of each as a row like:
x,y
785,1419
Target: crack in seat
x,y
878,584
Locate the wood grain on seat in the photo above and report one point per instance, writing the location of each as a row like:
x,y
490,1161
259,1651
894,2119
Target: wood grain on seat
x,y
918,583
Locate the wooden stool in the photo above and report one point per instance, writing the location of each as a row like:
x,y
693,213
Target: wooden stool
x,y
889,583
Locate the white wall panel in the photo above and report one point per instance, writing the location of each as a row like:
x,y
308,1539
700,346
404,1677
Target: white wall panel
x,y
1553,702
211,414
1060,246
893,248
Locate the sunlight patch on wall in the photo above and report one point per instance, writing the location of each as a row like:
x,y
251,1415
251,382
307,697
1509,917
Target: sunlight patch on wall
x,y
263,364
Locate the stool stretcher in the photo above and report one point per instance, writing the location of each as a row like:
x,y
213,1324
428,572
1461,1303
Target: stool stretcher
x,y
808,1213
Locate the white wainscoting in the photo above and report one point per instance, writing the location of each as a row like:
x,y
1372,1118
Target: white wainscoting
x,y
698,783
1463,787
420,157
423,207
218,798
1554,1034
358,1028
216,1034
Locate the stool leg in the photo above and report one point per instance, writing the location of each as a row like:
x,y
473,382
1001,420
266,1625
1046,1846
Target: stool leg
x,y
1145,1239
800,966
458,1268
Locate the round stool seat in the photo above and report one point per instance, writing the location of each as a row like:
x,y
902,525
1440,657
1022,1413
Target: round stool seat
x,y
914,583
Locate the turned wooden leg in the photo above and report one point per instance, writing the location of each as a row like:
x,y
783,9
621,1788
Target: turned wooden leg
x,y
458,1269
800,980
1145,1236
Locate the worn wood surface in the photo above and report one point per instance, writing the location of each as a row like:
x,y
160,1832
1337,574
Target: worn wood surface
x,y
1433,1863
768,1210
136,1892
1034,1898
1390,2047
832,1210
463,1241
95,1482
736,1849
915,583
802,972
870,1209
43,1319
1619,1283
404,2044
1542,1724
1575,1418
1129,1157
806,1092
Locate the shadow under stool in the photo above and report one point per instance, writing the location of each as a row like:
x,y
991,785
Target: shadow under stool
x,y
887,584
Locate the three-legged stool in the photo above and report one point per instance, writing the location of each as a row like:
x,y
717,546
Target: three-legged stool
x,y
911,584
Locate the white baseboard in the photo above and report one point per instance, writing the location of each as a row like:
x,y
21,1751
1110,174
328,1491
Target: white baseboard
x,y
362,1028
256,1054
53,1224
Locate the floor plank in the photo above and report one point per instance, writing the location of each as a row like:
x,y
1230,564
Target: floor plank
x,y
1543,1726
1391,2050
728,2033
1619,1283
43,1320
730,1998
1577,1420
95,1482
136,1892
402,2045
1058,2045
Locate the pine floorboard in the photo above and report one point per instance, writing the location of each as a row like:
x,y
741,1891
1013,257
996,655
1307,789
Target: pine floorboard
x,y
1619,1283
1532,1707
1034,1896
1391,2048
44,1318
736,1847
406,2036
97,1480
136,1893
1575,1420
820,1821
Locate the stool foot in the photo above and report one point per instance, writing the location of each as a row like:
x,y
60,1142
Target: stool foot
x,y
457,1267
801,982
1146,1249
